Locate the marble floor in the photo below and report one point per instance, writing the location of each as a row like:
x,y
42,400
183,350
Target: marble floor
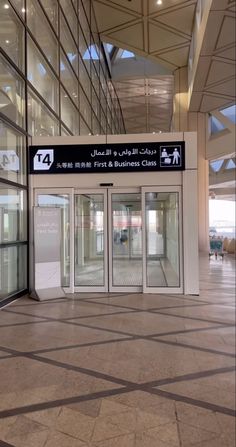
x,y
121,370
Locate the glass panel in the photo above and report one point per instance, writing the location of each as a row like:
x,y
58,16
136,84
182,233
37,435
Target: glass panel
x,y
69,79
13,270
96,125
89,240
11,34
42,32
85,108
51,9
64,132
12,155
162,239
103,123
19,5
61,201
84,78
84,129
87,6
41,77
71,17
84,24
12,94
95,103
69,114
69,45
13,218
40,121
127,240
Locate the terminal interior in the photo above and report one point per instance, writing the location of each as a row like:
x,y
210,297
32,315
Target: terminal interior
x,y
139,351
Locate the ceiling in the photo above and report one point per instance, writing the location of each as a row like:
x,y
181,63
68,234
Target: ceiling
x,y
162,35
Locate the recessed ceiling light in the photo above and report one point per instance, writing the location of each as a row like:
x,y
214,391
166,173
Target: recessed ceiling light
x,y
23,9
159,2
6,6
7,41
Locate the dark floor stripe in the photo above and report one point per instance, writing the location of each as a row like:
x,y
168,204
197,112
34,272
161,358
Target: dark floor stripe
x,y
191,376
60,402
196,348
194,402
204,320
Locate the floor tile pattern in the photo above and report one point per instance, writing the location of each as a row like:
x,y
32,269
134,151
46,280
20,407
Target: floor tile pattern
x,y
121,370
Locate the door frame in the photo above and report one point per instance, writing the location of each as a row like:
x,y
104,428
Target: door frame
x,y
112,288
104,287
167,289
69,192
108,236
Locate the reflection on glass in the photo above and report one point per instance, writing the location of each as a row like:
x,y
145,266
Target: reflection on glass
x,y
68,79
12,154
84,129
51,9
89,240
12,91
41,76
71,17
13,219
162,239
61,201
84,78
12,34
42,32
69,114
127,240
69,45
40,121
19,5
13,270
85,108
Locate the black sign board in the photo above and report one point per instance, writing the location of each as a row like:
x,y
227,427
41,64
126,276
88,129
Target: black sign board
x,y
122,157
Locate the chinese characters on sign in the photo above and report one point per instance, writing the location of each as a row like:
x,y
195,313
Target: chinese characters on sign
x,y
107,158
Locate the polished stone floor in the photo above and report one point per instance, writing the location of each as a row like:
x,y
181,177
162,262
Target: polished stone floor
x,y
121,370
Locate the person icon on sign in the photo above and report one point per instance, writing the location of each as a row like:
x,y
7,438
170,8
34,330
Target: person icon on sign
x,y
176,156
164,153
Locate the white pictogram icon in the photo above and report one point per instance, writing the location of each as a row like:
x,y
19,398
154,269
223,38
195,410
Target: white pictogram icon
x,y
170,156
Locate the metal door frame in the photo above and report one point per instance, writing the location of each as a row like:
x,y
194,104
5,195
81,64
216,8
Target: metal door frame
x,y
113,288
105,286
167,289
69,192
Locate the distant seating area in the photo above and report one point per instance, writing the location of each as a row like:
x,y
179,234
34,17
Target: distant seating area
x,y
219,246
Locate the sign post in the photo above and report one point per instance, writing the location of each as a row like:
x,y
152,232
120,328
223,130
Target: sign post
x,y
47,254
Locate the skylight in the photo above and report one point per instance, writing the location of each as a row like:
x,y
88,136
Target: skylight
x,y
109,47
127,54
230,113
230,165
216,165
216,125
91,53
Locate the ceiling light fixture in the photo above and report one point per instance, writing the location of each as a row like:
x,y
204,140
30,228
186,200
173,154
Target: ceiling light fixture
x,y
6,6
159,2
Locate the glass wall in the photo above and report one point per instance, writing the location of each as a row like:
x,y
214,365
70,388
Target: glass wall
x,y
53,81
